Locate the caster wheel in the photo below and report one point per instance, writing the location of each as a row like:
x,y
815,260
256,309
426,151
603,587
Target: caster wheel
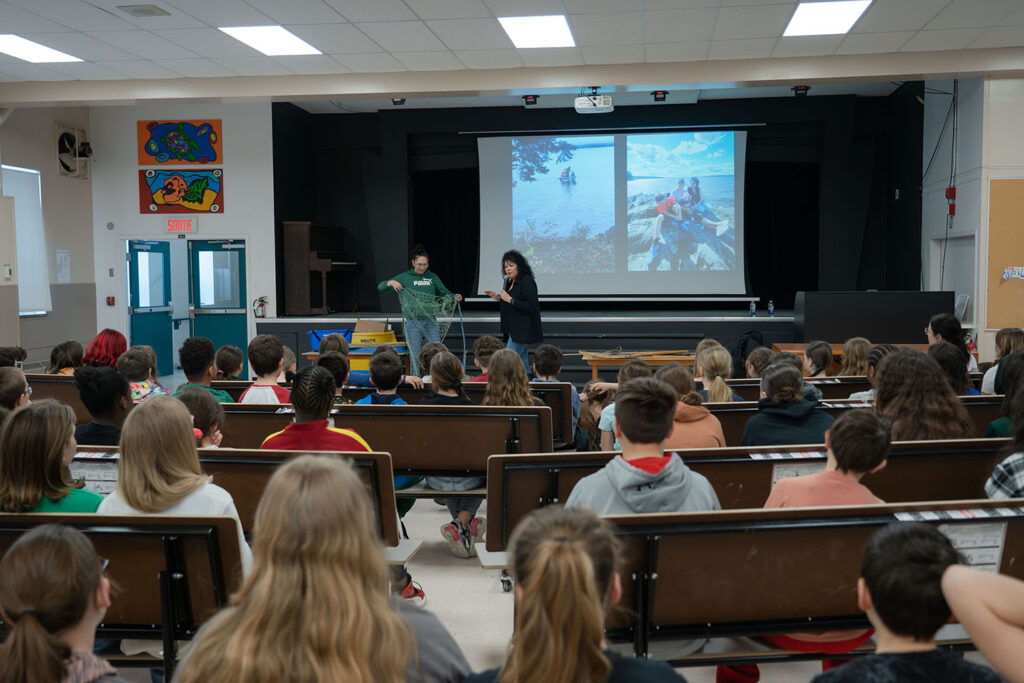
x,y
506,584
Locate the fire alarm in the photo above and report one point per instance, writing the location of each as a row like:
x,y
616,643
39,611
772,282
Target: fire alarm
x,y
110,301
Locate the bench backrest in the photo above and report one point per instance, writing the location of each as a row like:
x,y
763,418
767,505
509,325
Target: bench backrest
x,y
244,474
743,477
60,388
831,387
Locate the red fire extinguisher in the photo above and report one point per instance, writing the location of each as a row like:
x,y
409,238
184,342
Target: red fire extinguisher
x,y
259,307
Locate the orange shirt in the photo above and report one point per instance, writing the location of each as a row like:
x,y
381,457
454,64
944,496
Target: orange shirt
x,y
823,488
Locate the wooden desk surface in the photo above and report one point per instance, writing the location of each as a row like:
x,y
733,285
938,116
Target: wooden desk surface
x,y
650,357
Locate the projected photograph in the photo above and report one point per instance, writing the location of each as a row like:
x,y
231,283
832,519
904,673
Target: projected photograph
x,y
563,202
681,200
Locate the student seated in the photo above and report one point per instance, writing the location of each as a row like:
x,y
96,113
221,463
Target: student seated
x,y
817,358
197,357
64,358
633,369
207,416
507,384
359,378
758,360
312,398
287,366
900,589
14,390
483,348
811,392
136,367
1007,480
105,348
337,365
333,342
53,595
266,353
159,470
694,426
564,565
427,353
644,478
855,357
315,606
385,373
108,398
1008,340
715,366
38,443
466,529
875,357
953,369
228,360
945,327
12,356
784,416
1013,408
915,397
593,400
547,364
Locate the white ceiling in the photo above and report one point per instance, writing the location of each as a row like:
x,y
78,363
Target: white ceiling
x,y
372,36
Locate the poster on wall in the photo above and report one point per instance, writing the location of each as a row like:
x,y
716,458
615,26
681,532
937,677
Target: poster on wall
x,y
179,142
181,191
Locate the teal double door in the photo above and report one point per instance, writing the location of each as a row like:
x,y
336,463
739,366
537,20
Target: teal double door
x,y
216,286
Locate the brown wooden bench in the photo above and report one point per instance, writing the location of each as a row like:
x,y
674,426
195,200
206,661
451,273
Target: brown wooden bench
x,y
172,572
831,387
743,477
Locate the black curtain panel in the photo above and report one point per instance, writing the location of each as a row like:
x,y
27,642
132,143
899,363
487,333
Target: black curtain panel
x,y
445,208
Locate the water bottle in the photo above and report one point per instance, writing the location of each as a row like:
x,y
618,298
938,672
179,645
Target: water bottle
x,y
753,309
771,308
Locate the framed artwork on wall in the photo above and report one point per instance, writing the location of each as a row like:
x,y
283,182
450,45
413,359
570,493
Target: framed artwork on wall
x,y
179,142
181,191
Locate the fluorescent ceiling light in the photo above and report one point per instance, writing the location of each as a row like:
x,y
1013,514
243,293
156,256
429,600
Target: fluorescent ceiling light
x,y
825,18
19,47
545,31
273,41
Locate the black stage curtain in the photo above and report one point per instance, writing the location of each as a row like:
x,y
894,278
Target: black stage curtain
x,y
446,221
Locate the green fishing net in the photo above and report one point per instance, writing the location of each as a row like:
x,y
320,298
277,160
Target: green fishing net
x,y
418,305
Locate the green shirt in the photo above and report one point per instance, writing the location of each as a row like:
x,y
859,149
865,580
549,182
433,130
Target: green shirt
x,y
219,394
1000,428
77,500
427,283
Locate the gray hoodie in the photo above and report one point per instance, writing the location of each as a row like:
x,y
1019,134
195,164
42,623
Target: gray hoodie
x,y
619,488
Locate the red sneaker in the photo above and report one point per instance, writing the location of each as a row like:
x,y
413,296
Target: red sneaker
x,y
413,592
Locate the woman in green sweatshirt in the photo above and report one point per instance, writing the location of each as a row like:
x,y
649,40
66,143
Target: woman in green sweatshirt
x,y
422,287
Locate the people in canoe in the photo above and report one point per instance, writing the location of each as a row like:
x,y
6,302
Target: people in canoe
x,y
568,175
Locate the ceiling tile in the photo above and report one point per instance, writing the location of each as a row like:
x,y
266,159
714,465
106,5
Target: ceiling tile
x,y
87,71
490,59
972,13
448,9
80,45
143,44
197,68
608,29
951,39
402,36
254,66
678,52
76,14
312,64
441,60
471,34
898,15
751,48
552,56
766,21
297,11
748,3
35,72
140,68
655,5
682,25
222,12
1001,36
175,18
806,46
371,63
613,54
873,43
335,39
208,42
525,8
17,20
595,6
372,10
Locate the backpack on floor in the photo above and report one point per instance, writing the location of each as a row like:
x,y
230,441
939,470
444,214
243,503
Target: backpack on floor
x,y
747,342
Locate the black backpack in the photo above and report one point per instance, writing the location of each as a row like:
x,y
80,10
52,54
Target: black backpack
x,y
747,342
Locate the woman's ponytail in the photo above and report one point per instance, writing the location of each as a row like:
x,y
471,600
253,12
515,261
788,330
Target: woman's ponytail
x,y
716,364
31,653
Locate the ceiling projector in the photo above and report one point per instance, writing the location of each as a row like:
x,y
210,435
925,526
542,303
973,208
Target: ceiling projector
x,y
594,104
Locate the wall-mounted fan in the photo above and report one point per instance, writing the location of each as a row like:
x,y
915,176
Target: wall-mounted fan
x,y
73,151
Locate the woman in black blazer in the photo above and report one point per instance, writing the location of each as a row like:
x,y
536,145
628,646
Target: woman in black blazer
x,y
520,309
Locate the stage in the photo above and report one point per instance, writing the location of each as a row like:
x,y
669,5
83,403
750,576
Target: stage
x,y
571,331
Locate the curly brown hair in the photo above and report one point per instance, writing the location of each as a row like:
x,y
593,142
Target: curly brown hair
x,y
914,395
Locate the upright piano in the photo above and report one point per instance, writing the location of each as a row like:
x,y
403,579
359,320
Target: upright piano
x,y
319,276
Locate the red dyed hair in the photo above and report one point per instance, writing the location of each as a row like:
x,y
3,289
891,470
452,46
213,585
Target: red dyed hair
x,y
105,348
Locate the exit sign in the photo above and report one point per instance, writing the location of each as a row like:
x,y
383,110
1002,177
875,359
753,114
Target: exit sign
x,y
182,225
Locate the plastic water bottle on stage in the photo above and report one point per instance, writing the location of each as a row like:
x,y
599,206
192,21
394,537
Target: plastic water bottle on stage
x,y
753,309
771,308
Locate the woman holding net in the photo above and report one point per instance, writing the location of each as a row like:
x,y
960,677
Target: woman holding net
x,y
426,304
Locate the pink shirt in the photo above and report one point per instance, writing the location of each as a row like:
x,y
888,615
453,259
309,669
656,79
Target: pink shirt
x,y
824,488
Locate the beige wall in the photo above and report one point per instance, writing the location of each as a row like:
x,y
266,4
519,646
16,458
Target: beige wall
x,y
9,324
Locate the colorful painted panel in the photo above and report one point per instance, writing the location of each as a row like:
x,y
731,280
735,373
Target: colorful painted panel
x,y
179,142
181,191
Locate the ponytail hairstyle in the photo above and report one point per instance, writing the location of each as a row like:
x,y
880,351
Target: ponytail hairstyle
x,y
105,348
947,328
855,357
67,354
782,383
48,581
758,360
206,411
715,364
417,251
564,562
507,384
819,355
679,378
913,394
313,393
33,441
446,372
228,361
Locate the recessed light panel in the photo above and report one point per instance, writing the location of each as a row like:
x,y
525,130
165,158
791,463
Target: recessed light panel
x,y
273,41
543,31
825,18
30,51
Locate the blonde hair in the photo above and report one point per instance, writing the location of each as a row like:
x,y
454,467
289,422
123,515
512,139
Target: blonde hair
x,y
1008,340
507,384
855,356
564,561
159,464
715,364
315,607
